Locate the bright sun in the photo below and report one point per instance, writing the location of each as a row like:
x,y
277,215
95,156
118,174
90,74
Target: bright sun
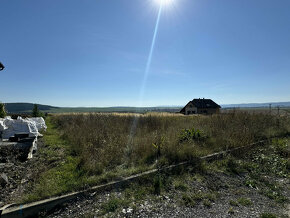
x,y
164,2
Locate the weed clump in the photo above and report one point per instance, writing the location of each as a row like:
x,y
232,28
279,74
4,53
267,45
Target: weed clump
x,y
188,200
191,134
113,204
267,215
245,201
233,203
180,185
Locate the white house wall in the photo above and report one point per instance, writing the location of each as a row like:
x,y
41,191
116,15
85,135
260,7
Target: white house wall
x,y
190,110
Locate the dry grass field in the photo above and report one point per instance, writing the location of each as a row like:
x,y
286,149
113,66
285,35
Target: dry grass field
x,y
105,141
88,149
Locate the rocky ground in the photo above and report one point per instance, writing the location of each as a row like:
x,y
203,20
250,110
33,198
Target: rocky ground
x,y
174,204
18,173
234,187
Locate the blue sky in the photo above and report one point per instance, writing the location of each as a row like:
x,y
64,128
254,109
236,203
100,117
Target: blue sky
x,y
94,52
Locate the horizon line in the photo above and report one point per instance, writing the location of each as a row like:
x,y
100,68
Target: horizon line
x,y
119,106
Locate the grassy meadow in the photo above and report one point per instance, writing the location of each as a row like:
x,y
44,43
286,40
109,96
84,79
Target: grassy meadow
x,y
85,149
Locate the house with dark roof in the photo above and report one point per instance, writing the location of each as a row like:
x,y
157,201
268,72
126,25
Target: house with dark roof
x,y
201,106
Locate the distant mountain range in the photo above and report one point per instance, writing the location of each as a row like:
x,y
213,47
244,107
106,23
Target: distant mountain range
x,y
256,105
27,108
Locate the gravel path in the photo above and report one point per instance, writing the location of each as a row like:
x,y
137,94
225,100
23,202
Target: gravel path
x,y
168,203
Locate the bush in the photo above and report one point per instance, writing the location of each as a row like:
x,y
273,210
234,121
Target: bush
x,y
191,134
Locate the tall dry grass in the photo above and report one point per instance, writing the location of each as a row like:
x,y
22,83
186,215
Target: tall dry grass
x,y
106,141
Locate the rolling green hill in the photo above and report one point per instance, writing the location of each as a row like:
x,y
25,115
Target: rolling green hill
x,y
27,108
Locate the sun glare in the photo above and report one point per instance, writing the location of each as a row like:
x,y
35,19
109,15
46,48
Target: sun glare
x,y
164,2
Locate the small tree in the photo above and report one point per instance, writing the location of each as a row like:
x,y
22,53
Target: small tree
x,y
2,110
36,112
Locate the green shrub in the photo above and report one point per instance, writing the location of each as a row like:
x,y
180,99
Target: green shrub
x,y
191,134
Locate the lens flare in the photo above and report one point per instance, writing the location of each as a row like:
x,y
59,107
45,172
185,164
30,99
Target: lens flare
x,y
163,2
149,60
144,81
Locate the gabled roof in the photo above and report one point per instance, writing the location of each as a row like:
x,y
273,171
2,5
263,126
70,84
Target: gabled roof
x,y
202,103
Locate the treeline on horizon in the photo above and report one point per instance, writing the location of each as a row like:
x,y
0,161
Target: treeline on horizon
x,y
25,108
